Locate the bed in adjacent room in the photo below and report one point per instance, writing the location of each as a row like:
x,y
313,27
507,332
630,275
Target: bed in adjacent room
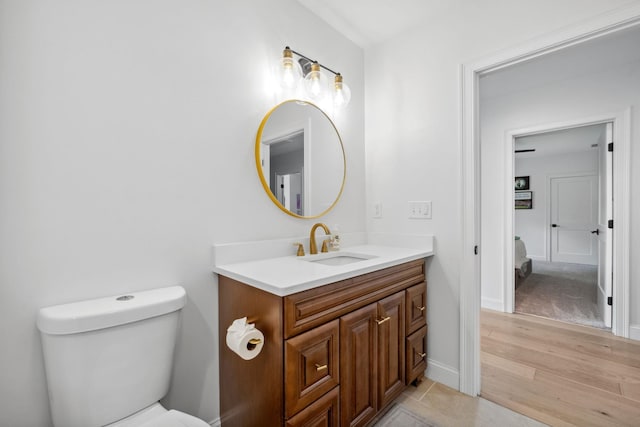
x,y
521,263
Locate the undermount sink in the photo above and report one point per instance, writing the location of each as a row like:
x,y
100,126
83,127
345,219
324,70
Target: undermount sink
x,y
339,258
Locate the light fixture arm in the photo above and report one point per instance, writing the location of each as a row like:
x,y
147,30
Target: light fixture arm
x,y
313,61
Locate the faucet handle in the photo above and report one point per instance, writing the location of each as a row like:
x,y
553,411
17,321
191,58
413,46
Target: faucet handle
x,y
300,249
325,248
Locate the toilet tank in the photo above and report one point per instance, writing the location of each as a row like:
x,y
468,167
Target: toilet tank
x,y
108,358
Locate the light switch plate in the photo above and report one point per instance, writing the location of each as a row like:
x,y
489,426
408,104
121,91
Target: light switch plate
x,y
377,210
420,209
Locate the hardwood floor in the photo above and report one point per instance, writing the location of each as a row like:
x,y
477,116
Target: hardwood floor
x,y
558,373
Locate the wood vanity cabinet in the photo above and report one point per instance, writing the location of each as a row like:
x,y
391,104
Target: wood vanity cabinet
x,y
335,355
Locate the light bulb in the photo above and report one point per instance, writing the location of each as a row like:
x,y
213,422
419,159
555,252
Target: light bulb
x,y
315,83
341,93
289,71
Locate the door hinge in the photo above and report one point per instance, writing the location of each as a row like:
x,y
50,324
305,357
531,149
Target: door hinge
x,y
610,224
610,146
475,250
609,300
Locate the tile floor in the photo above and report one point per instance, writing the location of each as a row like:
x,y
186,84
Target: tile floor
x,y
446,407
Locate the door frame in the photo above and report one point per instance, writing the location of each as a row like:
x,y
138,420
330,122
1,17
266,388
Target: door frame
x,y
619,120
275,136
469,279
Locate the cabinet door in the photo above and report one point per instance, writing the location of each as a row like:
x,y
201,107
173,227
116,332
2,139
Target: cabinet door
x,y
324,412
391,348
416,354
416,307
358,354
311,366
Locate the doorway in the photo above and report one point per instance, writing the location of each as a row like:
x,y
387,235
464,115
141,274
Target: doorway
x,y
564,177
283,158
597,29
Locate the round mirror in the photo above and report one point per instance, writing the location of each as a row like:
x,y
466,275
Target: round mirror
x,y
300,159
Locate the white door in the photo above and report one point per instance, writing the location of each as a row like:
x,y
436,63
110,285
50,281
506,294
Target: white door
x,y
574,215
605,234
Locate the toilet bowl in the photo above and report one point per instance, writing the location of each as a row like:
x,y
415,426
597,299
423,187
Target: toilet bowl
x,y
108,361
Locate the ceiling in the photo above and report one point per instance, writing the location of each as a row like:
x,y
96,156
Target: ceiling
x,y
564,141
367,22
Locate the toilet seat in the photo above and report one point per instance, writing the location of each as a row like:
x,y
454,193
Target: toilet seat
x,y
157,416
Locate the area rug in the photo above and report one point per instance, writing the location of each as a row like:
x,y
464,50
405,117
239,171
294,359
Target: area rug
x,y
561,291
401,416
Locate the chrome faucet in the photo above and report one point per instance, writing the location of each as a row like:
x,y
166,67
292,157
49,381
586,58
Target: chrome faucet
x,y
313,248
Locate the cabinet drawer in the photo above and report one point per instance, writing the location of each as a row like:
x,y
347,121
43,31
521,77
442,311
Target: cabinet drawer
x,y
416,354
324,412
416,307
312,366
307,309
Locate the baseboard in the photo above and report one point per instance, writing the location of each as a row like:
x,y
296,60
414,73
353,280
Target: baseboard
x,y
492,304
215,423
634,332
443,374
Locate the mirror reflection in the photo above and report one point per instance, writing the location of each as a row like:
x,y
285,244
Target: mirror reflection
x,y
300,159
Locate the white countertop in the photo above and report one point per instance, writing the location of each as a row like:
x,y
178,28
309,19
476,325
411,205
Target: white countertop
x,y
286,275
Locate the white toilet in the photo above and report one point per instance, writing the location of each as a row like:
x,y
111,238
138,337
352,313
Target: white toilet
x,y
108,361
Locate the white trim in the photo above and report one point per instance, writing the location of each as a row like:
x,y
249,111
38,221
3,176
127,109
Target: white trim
x,y
444,374
216,423
621,221
634,332
508,292
470,225
601,25
493,304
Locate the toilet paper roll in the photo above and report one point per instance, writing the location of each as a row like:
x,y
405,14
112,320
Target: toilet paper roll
x,y
246,344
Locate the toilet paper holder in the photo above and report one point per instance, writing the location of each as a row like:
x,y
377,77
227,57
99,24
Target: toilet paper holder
x,y
253,343
244,339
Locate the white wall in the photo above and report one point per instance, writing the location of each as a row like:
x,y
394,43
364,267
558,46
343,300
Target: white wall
x,y
583,95
127,133
413,140
531,224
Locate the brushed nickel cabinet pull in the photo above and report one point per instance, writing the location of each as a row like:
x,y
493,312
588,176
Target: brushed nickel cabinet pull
x,y
320,367
421,308
422,355
381,321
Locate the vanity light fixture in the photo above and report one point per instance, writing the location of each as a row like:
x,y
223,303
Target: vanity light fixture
x,y
342,93
315,84
289,70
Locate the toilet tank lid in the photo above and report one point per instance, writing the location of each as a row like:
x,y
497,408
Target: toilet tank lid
x,y
100,313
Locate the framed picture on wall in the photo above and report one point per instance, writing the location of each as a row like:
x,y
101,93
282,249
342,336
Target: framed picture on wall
x,y
521,183
523,200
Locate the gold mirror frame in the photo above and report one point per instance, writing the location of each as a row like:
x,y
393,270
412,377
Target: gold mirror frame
x,y
265,184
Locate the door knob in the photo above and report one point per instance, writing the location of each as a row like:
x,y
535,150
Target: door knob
x,y
596,232
554,225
